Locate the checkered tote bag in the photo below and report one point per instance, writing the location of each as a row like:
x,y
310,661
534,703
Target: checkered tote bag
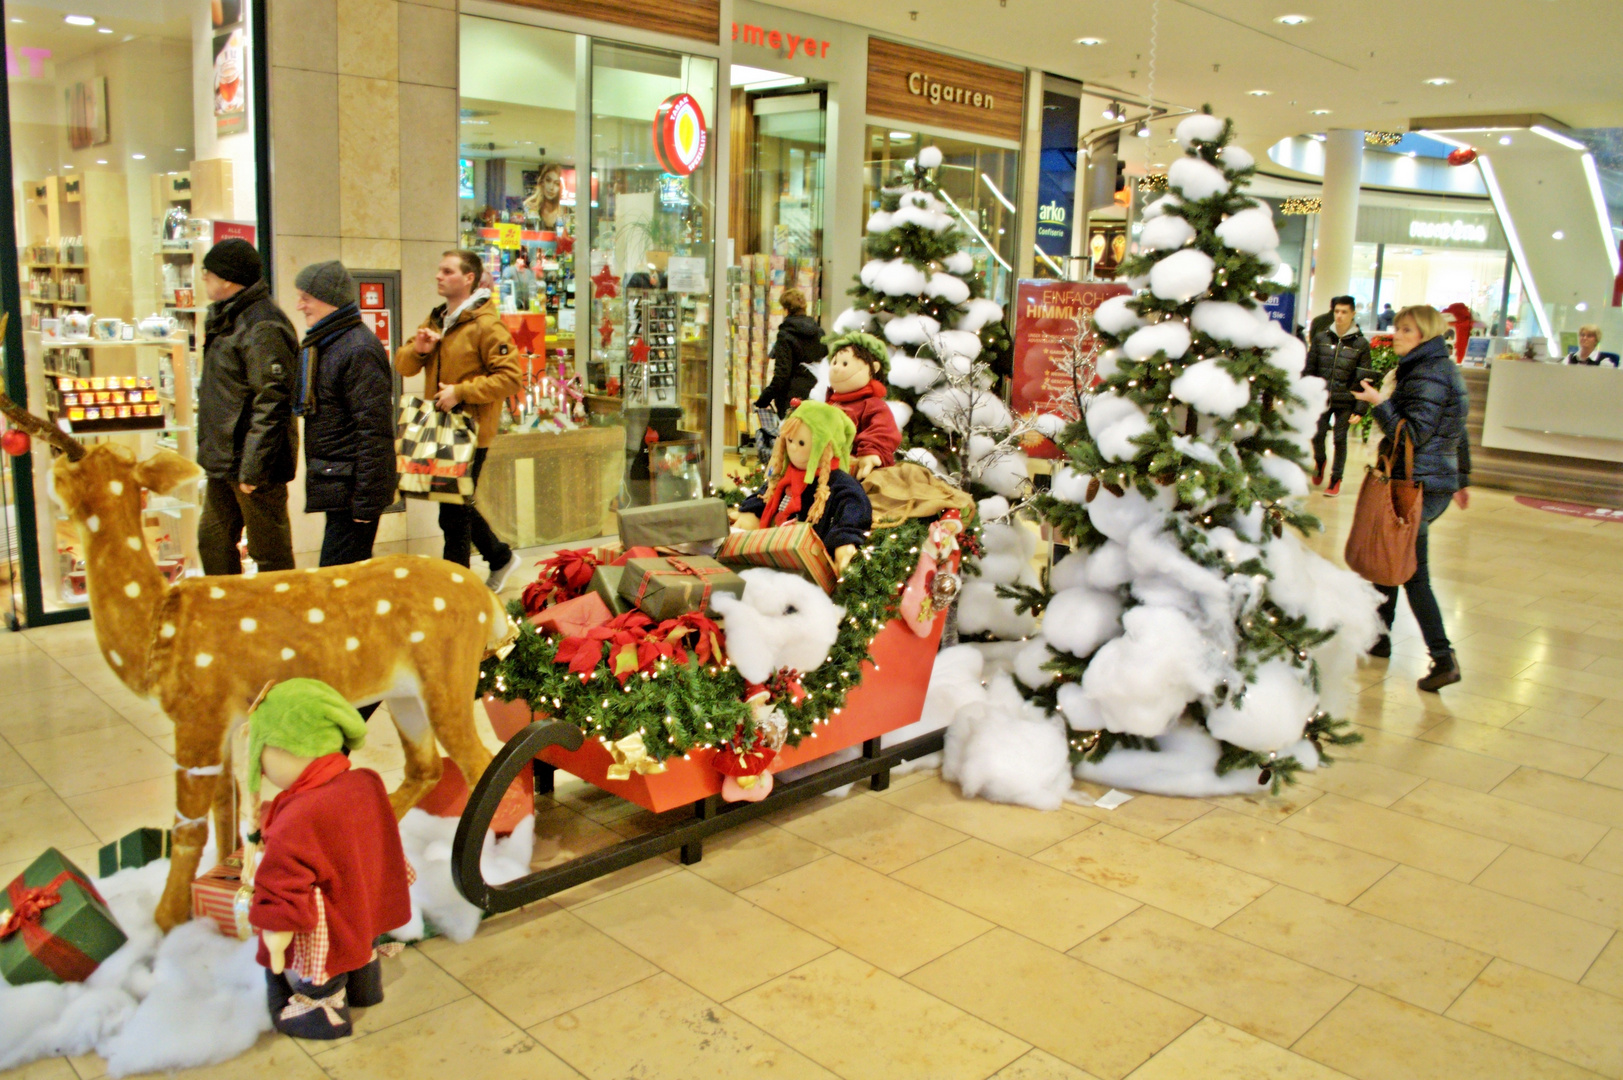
x,y
435,451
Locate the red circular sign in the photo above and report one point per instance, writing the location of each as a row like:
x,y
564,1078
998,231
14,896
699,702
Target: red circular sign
x,y
679,134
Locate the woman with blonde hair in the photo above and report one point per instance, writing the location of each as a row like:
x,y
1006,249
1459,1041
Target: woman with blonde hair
x,y
1429,399
1588,349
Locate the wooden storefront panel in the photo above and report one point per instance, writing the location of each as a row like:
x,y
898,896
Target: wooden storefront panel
x,y
696,20
918,86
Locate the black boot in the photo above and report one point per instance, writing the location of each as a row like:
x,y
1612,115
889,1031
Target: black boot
x,y
328,1019
1445,671
1382,647
366,984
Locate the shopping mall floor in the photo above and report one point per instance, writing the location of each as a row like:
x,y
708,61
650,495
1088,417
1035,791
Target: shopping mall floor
x,y
1442,903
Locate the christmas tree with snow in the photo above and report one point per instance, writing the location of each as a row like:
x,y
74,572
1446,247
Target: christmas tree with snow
x,y
919,289
1189,643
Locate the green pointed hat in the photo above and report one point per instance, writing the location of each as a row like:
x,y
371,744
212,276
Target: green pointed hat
x,y
304,717
864,341
829,426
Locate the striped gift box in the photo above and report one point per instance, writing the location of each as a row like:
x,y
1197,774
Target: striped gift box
x,y
796,548
220,895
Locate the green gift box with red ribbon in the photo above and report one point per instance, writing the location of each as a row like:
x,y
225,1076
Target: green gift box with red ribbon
x,y
675,585
54,925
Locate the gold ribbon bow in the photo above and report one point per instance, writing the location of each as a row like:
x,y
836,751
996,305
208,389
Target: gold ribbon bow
x,y
630,755
299,1004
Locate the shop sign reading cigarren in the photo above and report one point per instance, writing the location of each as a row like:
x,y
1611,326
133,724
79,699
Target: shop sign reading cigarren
x,y
921,85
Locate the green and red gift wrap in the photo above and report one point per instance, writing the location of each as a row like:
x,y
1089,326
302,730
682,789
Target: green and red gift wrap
x,y
795,549
54,925
675,585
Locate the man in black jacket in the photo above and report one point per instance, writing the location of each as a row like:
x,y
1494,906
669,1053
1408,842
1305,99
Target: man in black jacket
x,y
345,392
246,441
1339,356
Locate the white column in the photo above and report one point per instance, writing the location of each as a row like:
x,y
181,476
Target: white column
x,y
1338,219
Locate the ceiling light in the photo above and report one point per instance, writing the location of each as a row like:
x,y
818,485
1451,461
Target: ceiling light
x,y
1504,140
1292,20
1259,93
1557,137
1581,306
1508,223
1439,81
180,149
1410,154
1115,111
1090,41
1558,235
1319,112
16,20
1320,138
101,161
139,157
1598,195
900,136
1143,130
104,29
79,20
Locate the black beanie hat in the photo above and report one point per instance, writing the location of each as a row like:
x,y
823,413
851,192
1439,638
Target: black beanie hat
x,y
234,260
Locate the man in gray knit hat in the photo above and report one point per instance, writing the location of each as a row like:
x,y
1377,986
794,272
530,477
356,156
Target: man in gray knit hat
x,y
345,392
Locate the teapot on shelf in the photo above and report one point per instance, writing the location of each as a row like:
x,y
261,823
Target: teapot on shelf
x,y
157,326
76,324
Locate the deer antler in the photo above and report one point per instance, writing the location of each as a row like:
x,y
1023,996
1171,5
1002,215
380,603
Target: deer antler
x,y
24,420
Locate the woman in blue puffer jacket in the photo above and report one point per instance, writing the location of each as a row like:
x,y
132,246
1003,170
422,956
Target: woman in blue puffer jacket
x,y
1430,394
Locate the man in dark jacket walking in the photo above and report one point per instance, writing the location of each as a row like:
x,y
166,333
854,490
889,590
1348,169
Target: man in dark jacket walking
x,y
1340,356
246,441
345,392
799,343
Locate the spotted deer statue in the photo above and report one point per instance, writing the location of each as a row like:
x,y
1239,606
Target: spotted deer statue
x,y
405,629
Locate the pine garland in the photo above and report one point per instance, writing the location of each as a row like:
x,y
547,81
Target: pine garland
x,y
679,708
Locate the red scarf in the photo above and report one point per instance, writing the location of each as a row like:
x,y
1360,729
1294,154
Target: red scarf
x,y
874,389
792,484
318,772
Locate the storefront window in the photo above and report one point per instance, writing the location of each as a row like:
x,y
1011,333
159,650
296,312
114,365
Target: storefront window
x,y
979,182
1441,277
132,154
652,254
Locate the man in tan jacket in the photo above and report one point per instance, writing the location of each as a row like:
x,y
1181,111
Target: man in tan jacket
x,y
472,365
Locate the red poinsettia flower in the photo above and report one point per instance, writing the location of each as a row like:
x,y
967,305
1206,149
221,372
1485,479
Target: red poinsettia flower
x,y
691,631
619,634
564,576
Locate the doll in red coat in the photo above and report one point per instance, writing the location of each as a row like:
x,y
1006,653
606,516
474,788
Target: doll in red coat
x,y
331,877
856,366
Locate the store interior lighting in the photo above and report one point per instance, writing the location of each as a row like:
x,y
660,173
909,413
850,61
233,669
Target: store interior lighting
x,y
1114,111
1607,238
1558,138
79,20
754,78
1002,198
1491,181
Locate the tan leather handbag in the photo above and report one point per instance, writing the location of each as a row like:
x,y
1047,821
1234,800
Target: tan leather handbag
x,y
1386,522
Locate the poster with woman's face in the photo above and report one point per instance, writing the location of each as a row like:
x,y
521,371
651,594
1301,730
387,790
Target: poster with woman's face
x,y
230,83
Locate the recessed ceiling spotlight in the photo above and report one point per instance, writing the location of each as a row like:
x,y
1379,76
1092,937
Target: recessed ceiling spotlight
x,y
1439,81
79,20
1292,20
1558,235
16,20
1259,93
104,29
1410,153
1320,112
1090,41
1581,306
101,161
139,157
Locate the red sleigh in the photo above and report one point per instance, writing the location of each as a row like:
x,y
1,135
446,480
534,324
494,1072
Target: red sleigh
x,y
895,680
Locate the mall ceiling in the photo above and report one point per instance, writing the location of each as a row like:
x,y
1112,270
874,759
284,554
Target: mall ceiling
x,y
1366,61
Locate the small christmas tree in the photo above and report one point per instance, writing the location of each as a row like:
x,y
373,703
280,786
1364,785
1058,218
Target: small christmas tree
x,y
1187,639
919,289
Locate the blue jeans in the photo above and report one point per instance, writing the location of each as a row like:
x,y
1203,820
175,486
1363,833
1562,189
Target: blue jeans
x,y
1421,599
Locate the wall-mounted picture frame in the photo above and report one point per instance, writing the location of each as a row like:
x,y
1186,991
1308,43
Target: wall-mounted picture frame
x,y
87,113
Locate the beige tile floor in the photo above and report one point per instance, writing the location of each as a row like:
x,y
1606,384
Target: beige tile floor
x,y
1444,903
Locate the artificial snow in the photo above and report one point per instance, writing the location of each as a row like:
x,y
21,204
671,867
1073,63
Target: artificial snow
x,y
1106,363
1185,763
1166,233
1308,586
1201,127
1288,354
930,158
435,903
992,508
959,262
1006,750
1270,713
912,372
1283,276
1196,448
1114,317
920,456
977,313
1029,661
1161,206
897,277
1235,158
1170,336
782,621
1288,473
880,221
1004,472
1225,321
1107,566
1114,422
853,319
1251,231
1195,179
1182,276
959,343
1079,620
911,329
1070,486
1207,387
1049,425
1142,681
1117,516
1312,398
918,208
901,411
982,611
947,287
962,410
1009,549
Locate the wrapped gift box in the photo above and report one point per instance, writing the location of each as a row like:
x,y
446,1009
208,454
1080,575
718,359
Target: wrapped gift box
x,y
54,926
668,524
675,585
135,849
606,587
795,548
220,895
573,617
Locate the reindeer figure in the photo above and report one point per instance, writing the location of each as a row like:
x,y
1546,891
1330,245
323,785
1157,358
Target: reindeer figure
x,y
409,630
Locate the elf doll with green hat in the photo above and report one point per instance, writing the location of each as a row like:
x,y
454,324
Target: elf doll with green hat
x,y
856,372
805,482
331,877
